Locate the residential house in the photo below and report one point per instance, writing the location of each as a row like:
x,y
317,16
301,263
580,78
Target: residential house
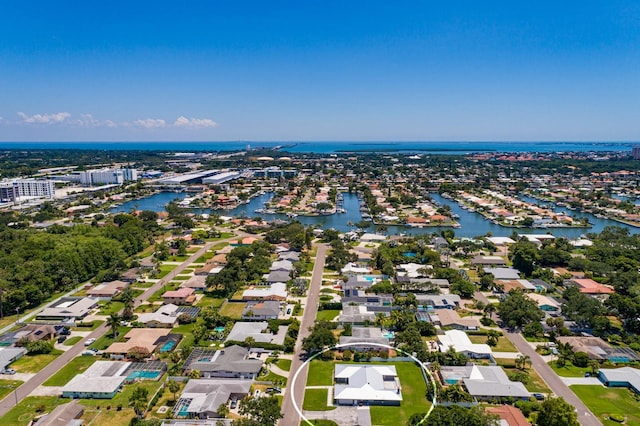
x,y
366,385
449,318
106,291
231,362
258,331
364,336
546,303
598,349
63,415
484,382
277,277
201,398
9,355
276,291
261,310
147,338
196,282
356,315
460,342
625,377
68,309
165,317
591,287
182,296
438,301
102,380
509,415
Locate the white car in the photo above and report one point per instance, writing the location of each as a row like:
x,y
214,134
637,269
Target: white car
x,y
90,341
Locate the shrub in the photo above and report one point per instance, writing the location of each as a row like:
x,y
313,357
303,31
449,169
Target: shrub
x,y
616,417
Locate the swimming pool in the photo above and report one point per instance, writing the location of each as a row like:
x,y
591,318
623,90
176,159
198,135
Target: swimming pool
x,y
142,374
168,346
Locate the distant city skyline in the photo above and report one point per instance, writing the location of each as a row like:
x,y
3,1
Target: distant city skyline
x,y
310,71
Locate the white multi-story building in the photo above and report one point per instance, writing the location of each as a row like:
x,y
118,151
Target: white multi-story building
x,y
107,176
11,190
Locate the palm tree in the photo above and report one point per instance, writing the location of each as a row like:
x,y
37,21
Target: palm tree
x,y
490,309
113,322
492,338
173,387
526,360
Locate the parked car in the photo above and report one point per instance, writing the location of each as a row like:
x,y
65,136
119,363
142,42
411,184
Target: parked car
x,y
88,353
8,371
538,396
62,338
90,341
273,390
65,332
234,403
256,394
289,311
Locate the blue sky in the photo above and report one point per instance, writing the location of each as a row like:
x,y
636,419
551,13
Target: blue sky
x,y
319,70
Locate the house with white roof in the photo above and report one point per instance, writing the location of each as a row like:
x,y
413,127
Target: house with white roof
x,y
68,309
165,317
353,268
101,380
357,384
459,341
484,382
625,377
276,291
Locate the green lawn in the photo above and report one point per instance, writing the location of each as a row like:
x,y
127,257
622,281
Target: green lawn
x,y
413,397
569,370
272,377
316,400
504,345
8,386
604,401
111,307
328,315
72,340
320,373
34,363
284,364
320,422
210,301
69,371
29,407
232,310
534,383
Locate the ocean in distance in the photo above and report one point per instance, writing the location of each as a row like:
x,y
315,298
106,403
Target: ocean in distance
x,y
334,147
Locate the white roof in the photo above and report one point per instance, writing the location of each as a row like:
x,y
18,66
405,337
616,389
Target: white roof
x,y
372,237
503,273
625,375
102,376
581,243
352,267
461,343
165,315
527,285
243,329
537,237
492,381
501,241
541,300
367,382
275,289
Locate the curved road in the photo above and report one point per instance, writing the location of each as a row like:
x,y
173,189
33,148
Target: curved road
x,y
25,389
291,417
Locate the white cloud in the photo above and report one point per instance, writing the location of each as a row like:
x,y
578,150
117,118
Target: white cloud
x,y
150,123
56,118
183,121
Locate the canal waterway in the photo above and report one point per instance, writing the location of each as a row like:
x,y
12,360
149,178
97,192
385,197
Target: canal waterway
x,y
472,224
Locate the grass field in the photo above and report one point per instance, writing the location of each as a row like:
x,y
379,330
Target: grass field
x,y
327,315
105,341
232,310
413,397
8,386
31,406
569,370
34,363
321,422
504,345
107,413
320,373
316,400
72,340
69,371
605,401
210,301
284,364
111,307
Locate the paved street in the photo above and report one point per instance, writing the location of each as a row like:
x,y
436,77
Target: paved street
x,y
557,385
23,391
291,417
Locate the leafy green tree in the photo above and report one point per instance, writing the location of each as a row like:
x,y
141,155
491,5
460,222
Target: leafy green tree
x,y
259,412
113,321
454,415
524,256
557,412
321,336
139,400
173,387
517,310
